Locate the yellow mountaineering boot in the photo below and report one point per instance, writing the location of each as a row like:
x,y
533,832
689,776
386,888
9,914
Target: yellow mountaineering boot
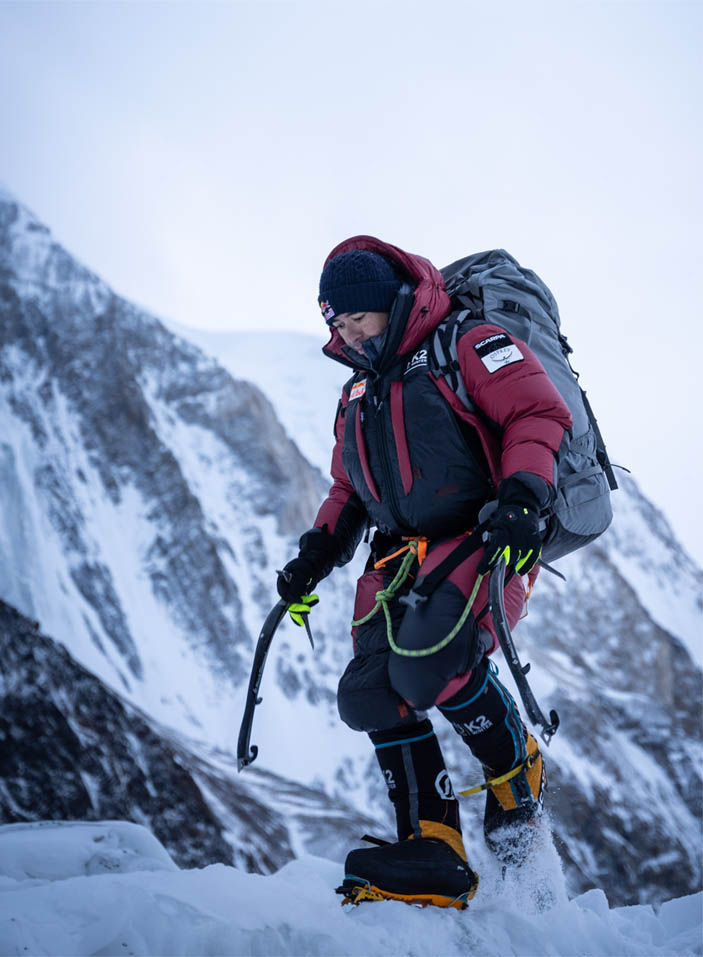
x,y
428,869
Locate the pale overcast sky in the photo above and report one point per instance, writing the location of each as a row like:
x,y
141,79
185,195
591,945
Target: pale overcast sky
x,y
203,158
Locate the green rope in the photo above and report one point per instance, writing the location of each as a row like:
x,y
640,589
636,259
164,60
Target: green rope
x,y
386,595
424,652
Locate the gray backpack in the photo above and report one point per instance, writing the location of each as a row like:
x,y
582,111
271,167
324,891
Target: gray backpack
x,y
493,287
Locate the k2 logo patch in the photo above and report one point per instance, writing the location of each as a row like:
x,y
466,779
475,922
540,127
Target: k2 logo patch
x,y
419,359
479,724
498,351
358,390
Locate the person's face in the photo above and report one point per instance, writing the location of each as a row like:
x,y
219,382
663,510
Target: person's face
x,y
356,327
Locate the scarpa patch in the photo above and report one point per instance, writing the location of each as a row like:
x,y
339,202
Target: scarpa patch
x,y
498,351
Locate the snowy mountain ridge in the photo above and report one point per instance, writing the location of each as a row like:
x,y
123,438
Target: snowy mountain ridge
x,y
124,476
151,497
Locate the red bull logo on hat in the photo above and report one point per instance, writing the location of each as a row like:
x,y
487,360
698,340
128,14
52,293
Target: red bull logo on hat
x,y
327,311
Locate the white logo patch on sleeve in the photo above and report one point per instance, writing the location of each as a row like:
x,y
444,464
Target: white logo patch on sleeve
x,y
498,351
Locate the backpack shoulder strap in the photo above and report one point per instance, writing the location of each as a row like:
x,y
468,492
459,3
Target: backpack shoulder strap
x,y
443,352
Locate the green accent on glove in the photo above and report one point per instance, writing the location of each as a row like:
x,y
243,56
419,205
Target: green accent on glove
x,y
522,561
298,610
513,534
498,554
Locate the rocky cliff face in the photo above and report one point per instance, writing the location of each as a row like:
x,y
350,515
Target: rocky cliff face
x,y
149,498
70,749
146,490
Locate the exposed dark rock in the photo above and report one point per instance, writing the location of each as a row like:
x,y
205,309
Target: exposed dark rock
x,y
70,749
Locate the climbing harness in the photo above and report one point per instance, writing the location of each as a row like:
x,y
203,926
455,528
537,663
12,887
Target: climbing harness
x,y
417,545
423,589
416,548
496,608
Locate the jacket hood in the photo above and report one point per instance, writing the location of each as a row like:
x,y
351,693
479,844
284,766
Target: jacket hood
x,y
431,302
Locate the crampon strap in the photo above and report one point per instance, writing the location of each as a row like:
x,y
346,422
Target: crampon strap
x,y
494,782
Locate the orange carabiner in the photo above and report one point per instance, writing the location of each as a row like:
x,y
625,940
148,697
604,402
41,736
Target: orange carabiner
x,y
388,558
421,550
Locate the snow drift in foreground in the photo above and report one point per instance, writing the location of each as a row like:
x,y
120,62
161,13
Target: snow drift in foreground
x,y
111,888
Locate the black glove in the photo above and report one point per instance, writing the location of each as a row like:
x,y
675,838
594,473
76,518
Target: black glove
x,y
513,532
314,562
297,578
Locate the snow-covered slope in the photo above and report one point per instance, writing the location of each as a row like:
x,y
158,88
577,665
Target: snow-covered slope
x,y
109,888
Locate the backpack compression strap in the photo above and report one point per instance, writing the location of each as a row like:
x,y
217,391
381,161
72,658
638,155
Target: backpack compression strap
x,y
601,451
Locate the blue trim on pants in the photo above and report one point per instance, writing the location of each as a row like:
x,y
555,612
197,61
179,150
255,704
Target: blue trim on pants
x,y
519,744
392,744
458,707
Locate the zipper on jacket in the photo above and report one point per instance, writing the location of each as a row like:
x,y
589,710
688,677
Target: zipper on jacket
x,y
386,464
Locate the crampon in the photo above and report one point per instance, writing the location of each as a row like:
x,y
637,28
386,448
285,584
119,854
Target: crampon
x,y
356,891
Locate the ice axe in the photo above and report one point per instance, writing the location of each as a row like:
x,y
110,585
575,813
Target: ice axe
x,y
496,607
247,753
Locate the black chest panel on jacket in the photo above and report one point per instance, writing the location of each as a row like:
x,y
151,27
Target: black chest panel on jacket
x,y
403,440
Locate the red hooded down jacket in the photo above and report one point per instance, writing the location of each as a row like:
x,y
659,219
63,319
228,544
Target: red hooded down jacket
x,y
401,455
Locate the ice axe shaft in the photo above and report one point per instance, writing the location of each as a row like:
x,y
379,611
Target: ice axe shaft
x,y
496,607
247,753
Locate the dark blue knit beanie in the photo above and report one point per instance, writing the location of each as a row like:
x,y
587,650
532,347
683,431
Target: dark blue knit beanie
x,y
357,281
